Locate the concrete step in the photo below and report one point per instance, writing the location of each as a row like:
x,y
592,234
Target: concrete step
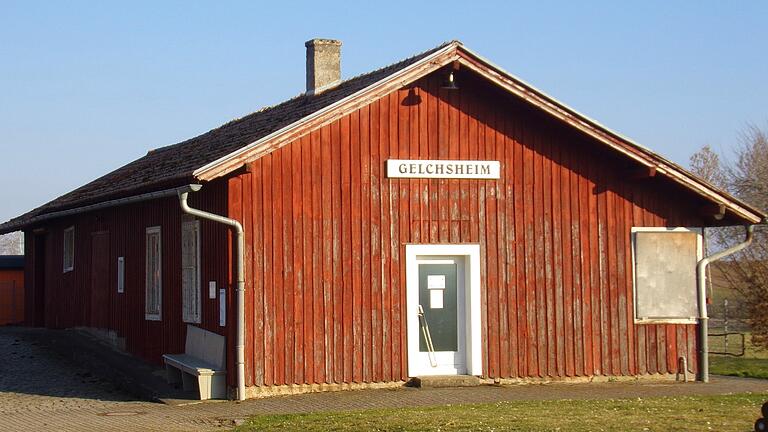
x,y
434,381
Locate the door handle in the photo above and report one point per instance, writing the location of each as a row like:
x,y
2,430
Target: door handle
x,y
427,337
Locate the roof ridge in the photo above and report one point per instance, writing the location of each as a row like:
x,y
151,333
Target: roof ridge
x,y
401,61
172,165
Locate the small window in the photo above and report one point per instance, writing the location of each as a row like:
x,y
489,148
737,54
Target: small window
x,y
664,261
120,275
154,276
69,249
190,270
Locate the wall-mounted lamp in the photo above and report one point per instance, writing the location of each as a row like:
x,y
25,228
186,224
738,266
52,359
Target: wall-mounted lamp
x,y
450,84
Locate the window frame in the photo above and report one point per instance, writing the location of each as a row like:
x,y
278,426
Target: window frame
x,y
68,246
198,312
148,315
699,256
120,275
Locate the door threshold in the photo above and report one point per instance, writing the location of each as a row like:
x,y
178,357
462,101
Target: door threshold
x,y
436,381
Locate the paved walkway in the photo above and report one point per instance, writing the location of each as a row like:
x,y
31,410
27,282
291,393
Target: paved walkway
x,y
40,390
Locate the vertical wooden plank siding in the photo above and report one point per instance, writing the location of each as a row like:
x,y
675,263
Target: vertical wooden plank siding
x,y
68,295
325,243
554,235
12,298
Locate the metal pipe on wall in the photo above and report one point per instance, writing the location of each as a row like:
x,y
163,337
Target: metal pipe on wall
x,y
701,279
240,306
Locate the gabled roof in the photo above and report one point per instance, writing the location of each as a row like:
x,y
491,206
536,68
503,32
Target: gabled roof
x,y
225,149
175,164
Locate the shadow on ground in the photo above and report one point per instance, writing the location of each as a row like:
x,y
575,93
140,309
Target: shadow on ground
x,y
70,364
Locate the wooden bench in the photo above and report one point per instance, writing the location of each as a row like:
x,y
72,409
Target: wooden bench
x,y
202,366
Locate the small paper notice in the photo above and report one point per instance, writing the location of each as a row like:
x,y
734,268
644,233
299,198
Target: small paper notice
x,y
222,307
436,281
436,299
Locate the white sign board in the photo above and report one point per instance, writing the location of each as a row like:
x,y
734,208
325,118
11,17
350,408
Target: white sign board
x,y
435,281
665,275
436,299
457,169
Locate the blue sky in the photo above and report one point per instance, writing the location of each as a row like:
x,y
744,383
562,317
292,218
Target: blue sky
x,y
86,87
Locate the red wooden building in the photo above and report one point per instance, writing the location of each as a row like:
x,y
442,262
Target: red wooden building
x,y
436,216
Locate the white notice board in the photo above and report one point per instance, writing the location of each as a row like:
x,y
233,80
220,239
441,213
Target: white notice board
x,y
665,275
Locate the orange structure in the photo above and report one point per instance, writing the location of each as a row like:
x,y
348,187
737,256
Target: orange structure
x,y
11,289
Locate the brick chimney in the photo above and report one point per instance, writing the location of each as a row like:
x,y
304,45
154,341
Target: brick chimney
x,y
323,65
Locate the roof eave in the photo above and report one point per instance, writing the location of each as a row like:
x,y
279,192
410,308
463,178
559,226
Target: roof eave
x,y
457,51
22,224
256,149
621,143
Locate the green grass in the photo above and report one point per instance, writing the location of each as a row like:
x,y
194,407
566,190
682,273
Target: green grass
x,y
738,366
717,413
754,363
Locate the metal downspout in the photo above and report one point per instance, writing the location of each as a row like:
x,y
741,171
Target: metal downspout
x,y
701,279
240,306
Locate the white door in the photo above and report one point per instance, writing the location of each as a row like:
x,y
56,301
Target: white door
x,y
443,309
441,312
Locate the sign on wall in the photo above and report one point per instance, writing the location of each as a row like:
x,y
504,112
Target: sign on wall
x,y
458,169
665,274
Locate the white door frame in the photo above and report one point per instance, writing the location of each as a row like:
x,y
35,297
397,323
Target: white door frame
x,y
473,345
